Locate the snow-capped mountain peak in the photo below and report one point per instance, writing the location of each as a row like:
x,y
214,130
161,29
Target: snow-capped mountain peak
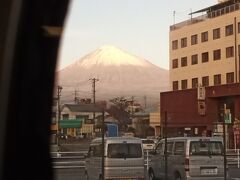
x,y
119,74
110,55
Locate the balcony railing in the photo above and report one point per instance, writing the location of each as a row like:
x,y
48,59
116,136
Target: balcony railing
x,y
209,15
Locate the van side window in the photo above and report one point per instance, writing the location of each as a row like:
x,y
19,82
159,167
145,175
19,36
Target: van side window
x,y
90,151
169,147
179,148
95,151
159,148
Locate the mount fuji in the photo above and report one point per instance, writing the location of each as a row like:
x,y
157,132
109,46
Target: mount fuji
x,y
119,74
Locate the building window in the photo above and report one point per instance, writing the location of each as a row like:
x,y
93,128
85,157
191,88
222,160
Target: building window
x,y
238,50
183,42
174,44
229,52
194,82
204,36
184,84
230,78
205,57
194,59
175,63
194,39
184,61
175,85
217,54
239,27
217,79
205,81
216,33
229,30
65,116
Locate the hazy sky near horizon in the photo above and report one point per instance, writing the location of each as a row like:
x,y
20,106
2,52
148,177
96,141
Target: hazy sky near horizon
x,y
140,27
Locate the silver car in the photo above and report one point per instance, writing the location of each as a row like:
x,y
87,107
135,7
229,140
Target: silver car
x,y
189,158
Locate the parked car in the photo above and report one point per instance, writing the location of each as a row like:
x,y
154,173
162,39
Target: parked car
x,y
63,136
188,158
148,144
123,158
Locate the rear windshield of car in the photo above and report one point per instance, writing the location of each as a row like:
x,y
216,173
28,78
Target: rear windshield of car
x,y
206,148
147,141
124,150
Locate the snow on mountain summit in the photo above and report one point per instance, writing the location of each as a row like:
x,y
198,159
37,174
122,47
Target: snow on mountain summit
x,y
110,55
119,74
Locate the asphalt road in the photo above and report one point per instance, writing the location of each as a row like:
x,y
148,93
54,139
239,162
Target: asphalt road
x,y
78,174
69,174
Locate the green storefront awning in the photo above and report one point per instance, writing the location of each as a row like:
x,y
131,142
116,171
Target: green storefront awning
x,y
70,123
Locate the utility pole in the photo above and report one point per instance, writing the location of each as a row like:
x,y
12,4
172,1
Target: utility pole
x,y
224,144
165,148
59,90
132,106
75,97
103,134
94,80
145,101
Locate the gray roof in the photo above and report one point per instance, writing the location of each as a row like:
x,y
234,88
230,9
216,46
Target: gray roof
x,y
83,107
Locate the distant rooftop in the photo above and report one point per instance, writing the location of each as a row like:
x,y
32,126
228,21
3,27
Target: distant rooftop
x,y
216,10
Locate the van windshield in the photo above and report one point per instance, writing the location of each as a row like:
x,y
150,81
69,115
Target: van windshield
x,y
206,148
124,150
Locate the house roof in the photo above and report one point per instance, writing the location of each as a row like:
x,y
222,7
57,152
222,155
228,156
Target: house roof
x,y
83,107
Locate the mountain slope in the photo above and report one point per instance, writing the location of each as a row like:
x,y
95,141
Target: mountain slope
x,y
119,74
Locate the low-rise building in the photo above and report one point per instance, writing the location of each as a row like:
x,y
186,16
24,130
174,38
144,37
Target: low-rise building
x,y
78,119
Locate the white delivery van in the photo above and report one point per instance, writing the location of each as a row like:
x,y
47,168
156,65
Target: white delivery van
x,y
123,159
189,158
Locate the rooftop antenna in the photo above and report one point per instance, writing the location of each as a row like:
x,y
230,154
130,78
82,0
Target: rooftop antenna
x,y
191,13
174,13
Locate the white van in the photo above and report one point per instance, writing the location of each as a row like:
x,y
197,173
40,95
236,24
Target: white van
x,y
123,159
189,158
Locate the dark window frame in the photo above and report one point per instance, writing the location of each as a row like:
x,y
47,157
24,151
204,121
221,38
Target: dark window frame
x,y
194,82
230,78
194,59
184,42
204,36
216,33
175,85
184,61
217,79
216,54
174,63
205,57
229,52
194,39
229,30
205,81
184,84
174,44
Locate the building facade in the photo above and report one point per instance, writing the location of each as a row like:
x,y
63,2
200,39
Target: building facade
x,y
205,49
205,74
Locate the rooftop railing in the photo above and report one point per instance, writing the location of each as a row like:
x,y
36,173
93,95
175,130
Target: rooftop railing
x,y
208,15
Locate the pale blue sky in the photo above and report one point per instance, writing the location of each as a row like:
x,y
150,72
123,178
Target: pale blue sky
x,y
140,27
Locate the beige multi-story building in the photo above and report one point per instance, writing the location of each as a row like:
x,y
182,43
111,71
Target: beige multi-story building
x,y
204,50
